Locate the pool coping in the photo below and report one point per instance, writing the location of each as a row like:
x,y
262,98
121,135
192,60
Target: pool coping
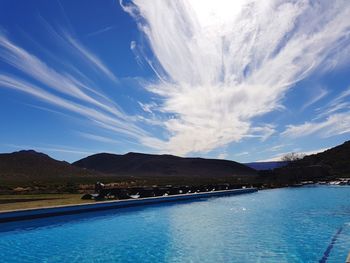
x,y
32,213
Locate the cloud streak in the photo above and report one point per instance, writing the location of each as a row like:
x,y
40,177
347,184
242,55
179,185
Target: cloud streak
x,y
337,105
334,125
320,94
90,57
221,64
65,39
64,90
100,31
52,148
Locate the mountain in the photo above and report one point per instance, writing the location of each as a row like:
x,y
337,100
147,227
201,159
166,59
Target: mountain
x,y
28,166
330,164
266,165
148,165
336,159
31,171
40,172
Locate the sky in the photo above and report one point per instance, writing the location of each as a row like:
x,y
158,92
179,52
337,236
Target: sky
x,y
243,80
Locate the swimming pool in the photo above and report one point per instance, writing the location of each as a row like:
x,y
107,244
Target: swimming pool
x,y
279,225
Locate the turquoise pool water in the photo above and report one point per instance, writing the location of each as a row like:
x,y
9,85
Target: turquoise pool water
x,y
280,225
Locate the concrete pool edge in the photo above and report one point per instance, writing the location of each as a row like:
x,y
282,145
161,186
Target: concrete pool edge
x,y
32,213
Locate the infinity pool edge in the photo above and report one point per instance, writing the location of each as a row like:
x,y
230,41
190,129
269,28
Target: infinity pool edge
x,y
32,213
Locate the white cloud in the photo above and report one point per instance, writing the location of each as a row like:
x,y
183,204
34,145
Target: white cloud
x,y
242,154
63,83
65,40
338,104
52,148
133,45
65,91
222,156
276,148
98,138
97,116
320,93
100,31
222,63
148,107
333,125
262,132
90,57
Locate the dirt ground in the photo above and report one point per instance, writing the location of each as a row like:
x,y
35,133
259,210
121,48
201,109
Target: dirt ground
x,y
13,202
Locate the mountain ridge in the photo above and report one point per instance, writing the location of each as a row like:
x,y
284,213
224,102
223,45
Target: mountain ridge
x,y
27,166
142,164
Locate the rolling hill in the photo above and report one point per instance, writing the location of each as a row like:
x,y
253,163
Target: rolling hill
x,y
39,172
336,159
327,165
30,167
145,165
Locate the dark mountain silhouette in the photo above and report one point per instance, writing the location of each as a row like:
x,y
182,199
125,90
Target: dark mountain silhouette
x,y
38,170
31,166
328,165
336,159
145,165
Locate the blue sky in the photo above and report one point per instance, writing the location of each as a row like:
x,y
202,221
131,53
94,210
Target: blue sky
x,y
241,80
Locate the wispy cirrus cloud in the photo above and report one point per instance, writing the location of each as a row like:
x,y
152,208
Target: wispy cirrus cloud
x,y
100,31
242,154
333,119
334,125
222,156
64,90
98,138
96,116
276,148
320,93
86,54
52,148
65,39
339,104
35,68
221,64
